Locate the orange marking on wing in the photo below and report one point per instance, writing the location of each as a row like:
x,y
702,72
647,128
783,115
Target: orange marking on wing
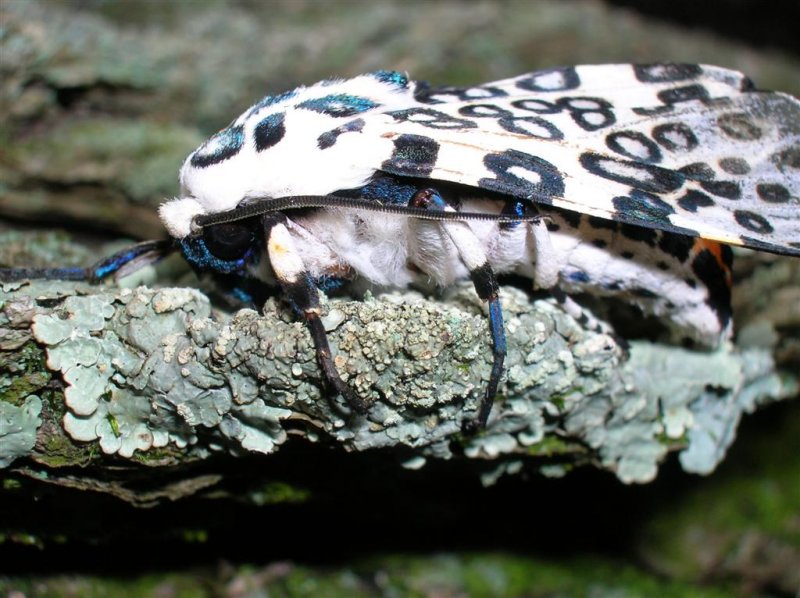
x,y
715,249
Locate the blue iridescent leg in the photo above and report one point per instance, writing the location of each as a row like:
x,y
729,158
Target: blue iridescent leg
x,y
474,258
121,263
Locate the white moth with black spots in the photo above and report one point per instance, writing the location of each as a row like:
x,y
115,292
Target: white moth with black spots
x,y
640,172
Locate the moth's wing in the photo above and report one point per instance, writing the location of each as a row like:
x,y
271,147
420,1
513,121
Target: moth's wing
x,y
685,148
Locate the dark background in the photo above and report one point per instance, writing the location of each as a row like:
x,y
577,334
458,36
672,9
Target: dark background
x,y
759,24
363,507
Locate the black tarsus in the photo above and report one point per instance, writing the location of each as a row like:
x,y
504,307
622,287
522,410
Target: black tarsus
x,y
488,289
303,295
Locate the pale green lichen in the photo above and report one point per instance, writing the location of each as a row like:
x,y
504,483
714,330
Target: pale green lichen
x,y
18,425
133,382
675,393
150,368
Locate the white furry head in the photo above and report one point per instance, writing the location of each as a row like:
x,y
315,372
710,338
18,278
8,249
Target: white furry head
x,y
304,142
177,215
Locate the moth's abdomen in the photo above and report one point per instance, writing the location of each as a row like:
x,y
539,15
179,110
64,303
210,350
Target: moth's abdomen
x,y
684,281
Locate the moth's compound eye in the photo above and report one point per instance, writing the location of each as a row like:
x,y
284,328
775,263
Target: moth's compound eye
x,y
228,241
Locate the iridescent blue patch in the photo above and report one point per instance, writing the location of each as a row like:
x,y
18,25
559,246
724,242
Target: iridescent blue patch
x,y
513,208
578,276
339,105
271,101
396,78
197,254
327,283
221,146
110,266
242,295
388,190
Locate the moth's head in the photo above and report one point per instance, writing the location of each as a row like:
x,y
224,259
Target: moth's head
x,y
310,141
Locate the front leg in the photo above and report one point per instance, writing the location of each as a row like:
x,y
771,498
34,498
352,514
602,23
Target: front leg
x,y
303,295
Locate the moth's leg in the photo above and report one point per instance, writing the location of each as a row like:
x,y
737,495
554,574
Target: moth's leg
x,y
304,298
240,290
121,263
546,276
483,278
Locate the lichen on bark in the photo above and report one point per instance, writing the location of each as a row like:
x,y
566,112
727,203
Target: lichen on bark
x,y
160,368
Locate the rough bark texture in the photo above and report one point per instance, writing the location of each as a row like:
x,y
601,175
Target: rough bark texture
x,y
115,398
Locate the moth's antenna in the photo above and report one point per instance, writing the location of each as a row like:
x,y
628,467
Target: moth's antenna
x,y
122,263
261,206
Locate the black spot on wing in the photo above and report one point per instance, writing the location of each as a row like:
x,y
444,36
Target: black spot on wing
x,y
433,119
675,137
672,96
698,171
692,200
413,155
704,174
554,79
530,126
787,159
662,73
589,113
739,126
269,131
523,175
734,165
645,177
635,145
221,146
423,92
329,138
643,207
726,189
752,221
773,192
440,95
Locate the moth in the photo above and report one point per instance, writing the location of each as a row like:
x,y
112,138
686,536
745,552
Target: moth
x,y
619,180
